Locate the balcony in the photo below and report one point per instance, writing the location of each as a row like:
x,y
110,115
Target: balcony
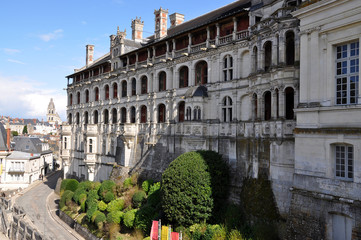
x,y
226,39
198,47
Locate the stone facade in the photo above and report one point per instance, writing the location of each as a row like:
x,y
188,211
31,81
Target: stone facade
x,y
229,85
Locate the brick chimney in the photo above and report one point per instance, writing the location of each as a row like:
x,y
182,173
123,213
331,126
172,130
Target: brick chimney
x,y
176,19
161,18
8,135
137,29
89,54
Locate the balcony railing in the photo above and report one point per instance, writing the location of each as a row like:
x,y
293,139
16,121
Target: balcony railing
x,y
225,39
242,35
198,47
182,52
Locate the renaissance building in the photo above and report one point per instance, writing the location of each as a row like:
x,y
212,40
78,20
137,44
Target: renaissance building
x,y
229,81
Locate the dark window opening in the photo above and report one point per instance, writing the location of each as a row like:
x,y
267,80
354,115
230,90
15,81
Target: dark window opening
x,y
267,106
289,92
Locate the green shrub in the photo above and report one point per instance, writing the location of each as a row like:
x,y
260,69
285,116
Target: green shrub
x,y
144,217
138,198
115,205
95,186
186,190
109,196
115,217
63,184
91,210
129,218
100,217
65,198
95,215
102,206
85,185
154,187
154,199
82,200
146,185
72,185
127,183
77,194
106,186
235,235
219,171
219,232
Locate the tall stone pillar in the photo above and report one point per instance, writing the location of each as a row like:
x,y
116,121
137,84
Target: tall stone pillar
x,y
282,103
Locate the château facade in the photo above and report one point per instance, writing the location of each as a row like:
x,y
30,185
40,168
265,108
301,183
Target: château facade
x,y
227,81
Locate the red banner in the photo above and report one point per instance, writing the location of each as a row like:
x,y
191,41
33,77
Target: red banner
x,y
174,236
154,231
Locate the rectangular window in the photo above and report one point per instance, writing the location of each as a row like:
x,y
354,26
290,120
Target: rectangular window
x,y
347,73
344,162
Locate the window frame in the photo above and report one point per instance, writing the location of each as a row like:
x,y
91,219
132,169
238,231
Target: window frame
x,y
228,68
343,61
348,153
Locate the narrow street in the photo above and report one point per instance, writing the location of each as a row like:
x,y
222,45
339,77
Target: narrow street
x,y
34,202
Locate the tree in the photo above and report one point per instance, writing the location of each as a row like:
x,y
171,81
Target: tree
x,y
186,190
25,129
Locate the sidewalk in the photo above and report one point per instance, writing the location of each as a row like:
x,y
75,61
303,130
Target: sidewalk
x,y
52,207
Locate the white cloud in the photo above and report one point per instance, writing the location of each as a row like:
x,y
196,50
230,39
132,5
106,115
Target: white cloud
x,y
22,97
11,51
15,61
52,36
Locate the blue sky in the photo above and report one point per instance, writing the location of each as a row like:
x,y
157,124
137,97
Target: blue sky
x,y
42,41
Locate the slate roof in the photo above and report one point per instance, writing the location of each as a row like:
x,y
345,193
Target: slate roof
x,y
17,155
3,146
29,145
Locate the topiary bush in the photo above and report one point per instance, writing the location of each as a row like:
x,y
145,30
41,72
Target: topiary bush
x,y
82,200
146,185
72,185
115,217
85,185
115,205
154,187
91,210
129,218
144,217
63,184
109,196
65,198
77,194
99,218
186,190
219,171
102,206
105,187
138,198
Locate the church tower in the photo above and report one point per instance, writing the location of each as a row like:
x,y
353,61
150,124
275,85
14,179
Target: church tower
x,y
51,114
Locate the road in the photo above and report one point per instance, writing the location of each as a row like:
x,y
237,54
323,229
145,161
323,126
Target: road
x,y
34,202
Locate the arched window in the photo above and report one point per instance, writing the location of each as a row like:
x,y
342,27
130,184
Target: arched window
x,y
78,98
143,114
86,118
115,90
227,109
134,86
123,113
87,96
197,113
255,59
201,73
289,94
106,92
189,114
132,115
90,145
70,118
77,118
124,88
255,106
96,94
267,106
183,77
144,85
290,48
162,81
114,116
161,113
267,55
227,68
106,116
70,99
181,111
95,117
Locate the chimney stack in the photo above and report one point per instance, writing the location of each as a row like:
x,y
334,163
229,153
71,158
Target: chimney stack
x,y
161,18
176,19
89,54
8,135
137,29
